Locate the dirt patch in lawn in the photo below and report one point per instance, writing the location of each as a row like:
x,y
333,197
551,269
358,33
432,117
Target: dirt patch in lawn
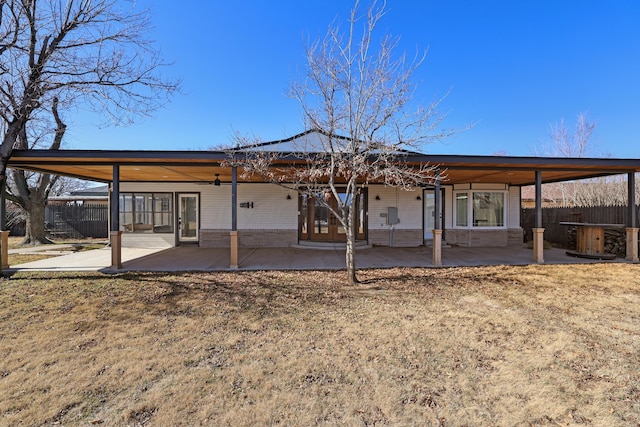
x,y
537,345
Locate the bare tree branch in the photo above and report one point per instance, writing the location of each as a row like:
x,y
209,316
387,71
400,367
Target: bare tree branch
x,y
58,54
358,96
563,142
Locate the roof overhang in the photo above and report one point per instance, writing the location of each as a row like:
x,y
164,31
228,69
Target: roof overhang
x,y
202,166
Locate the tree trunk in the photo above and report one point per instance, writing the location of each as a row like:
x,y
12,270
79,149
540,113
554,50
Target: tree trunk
x,y
35,233
351,243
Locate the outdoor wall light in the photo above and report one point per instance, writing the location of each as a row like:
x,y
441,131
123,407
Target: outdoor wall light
x,y
288,196
217,181
418,198
377,197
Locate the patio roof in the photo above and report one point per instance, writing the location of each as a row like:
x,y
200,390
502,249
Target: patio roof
x,y
202,166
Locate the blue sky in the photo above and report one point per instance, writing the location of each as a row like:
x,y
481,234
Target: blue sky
x,y
512,68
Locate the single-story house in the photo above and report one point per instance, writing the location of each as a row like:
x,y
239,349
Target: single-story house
x,y
98,195
193,198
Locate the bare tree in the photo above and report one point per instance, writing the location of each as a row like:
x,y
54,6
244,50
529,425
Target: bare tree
x,y
358,95
57,54
563,142
31,190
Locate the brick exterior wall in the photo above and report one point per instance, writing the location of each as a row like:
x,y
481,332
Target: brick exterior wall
x,y
516,237
267,238
401,238
214,239
249,238
478,238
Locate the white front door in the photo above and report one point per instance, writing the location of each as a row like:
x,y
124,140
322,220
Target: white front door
x,y
188,217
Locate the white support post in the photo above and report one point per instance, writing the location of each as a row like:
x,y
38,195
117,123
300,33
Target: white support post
x,y
632,244
437,247
538,245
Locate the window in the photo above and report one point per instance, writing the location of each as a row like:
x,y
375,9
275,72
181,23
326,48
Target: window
x,y
146,212
462,210
485,208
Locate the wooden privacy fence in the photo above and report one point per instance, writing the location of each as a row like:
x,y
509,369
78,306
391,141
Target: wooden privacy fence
x,y
559,234
87,220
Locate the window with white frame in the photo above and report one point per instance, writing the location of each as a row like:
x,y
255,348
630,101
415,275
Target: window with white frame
x,y
480,208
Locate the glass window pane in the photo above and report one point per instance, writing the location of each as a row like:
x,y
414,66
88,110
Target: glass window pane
x,y
126,221
146,212
162,213
321,219
488,209
304,230
188,216
462,209
361,217
126,212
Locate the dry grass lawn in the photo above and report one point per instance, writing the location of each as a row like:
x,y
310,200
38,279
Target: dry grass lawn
x,y
537,345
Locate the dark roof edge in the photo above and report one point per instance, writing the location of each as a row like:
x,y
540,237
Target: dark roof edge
x,y
121,154
434,159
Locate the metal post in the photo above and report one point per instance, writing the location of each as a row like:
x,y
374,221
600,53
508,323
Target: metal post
x,y
631,206
538,199
632,227
4,233
437,201
3,211
233,235
234,198
437,226
115,199
538,231
115,235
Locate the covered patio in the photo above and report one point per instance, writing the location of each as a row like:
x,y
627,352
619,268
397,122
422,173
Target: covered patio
x,y
208,167
191,258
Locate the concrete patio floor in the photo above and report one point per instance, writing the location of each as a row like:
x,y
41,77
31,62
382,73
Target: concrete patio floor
x,y
191,258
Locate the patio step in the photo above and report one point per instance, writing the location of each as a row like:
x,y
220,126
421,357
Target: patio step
x,y
429,243
328,245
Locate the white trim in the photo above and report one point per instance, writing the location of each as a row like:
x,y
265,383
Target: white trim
x,y
196,225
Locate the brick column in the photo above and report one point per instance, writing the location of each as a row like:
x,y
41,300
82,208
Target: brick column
x,y
233,264
437,246
116,249
4,256
538,245
632,244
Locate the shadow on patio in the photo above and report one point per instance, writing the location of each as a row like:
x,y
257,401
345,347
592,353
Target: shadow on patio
x,y
191,258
